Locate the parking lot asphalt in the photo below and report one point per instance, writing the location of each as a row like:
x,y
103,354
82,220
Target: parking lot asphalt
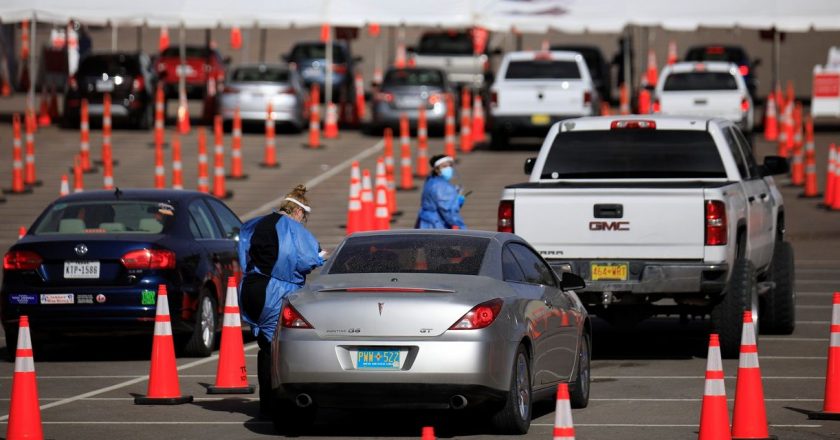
x,y
647,381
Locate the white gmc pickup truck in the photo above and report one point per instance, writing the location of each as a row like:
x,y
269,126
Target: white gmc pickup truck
x,y
660,215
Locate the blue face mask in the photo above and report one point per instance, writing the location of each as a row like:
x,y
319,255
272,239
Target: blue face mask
x,y
447,173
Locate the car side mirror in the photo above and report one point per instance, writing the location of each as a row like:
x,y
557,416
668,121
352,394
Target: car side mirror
x,y
774,165
529,164
570,281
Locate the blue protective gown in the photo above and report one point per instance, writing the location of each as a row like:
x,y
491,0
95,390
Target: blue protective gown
x,y
297,255
439,205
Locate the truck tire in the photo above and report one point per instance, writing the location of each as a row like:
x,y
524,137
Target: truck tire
x,y
778,305
728,314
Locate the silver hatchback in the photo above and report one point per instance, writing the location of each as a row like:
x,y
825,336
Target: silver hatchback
x,y
405,91
251,87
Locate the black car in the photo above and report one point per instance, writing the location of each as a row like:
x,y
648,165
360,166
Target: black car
x,y
599,69
128,77
731,54
310,57
92,262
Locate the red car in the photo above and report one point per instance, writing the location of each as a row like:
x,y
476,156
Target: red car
x,y
202,63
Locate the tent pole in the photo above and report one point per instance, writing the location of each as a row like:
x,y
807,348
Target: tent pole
x,y
263,37
777,58
114,34
32,73
626,60
328,80
182,77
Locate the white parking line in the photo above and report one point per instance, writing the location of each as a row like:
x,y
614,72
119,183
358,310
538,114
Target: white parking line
x,y
120,399
817,271
125,422
193,376
619,399
139,379
813,322
782,339
814,306
701,377
826,294
835,282
643,425
312,183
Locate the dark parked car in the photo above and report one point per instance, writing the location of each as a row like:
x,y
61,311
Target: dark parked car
x,y
599,68
128,77
311,60
92,262
731,54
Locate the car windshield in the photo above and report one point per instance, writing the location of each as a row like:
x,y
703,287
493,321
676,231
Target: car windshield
x,y
687,81
318,51
716,53
411,253
414,78
633,154
113,65
446,44
192,52
104,217
542,69
260,74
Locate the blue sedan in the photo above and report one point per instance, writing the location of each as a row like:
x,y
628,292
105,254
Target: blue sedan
x,y
92,262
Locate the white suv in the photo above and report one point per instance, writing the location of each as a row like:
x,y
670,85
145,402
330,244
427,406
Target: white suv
x,y
706,89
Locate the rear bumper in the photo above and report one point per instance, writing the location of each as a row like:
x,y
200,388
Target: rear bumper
x,y
524,124
391,396
384,114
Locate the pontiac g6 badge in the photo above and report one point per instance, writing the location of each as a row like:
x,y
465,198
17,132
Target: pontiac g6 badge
x,y
380,308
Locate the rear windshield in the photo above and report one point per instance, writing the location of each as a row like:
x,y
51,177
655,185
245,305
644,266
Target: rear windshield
x,y
700,81
446,44
414,253
260,74
542,69
414,78
318,51
104,217
633,154
192,52
113,65
716,53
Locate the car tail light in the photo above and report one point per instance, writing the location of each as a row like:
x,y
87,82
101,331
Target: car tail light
x,y
745,105
494,98
149,259
435,98
286,91
340,68
73,83
505,216
290,318
633,124
657,106
385,97
745,70
21,260
137,85
480,316
715,223
587,97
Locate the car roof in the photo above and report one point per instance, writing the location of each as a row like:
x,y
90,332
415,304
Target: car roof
x,y
267,65
501,236
560,55
604,123
414,69
134,194
592,49
707,66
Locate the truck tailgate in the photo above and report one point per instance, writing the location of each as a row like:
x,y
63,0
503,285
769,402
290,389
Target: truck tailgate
x,y
549,97
655,223
724,104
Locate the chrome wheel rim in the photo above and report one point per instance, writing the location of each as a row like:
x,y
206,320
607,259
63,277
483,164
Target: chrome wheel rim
x,y
523,387
208,322
583,369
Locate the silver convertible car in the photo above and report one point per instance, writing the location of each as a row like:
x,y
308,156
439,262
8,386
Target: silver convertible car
x,y
431,319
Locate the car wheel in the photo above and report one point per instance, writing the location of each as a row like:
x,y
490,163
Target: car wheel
x,y
515,416
203,337
291,419
728,315
11,344
778,305
579,387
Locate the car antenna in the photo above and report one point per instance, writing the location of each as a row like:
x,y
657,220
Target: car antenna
x,y
117,192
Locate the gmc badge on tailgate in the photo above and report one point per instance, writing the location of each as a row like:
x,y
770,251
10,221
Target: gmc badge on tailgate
x,y
609,226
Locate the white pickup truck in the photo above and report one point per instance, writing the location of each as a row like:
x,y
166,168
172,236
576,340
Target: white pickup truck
x,y
452,52
535,89
660,215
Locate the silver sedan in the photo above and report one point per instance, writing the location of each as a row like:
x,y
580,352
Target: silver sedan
x,y
405,91
431,319
252,86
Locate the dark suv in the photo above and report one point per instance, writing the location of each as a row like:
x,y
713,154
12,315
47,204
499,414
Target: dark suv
x,y
310,59
128,77
732,54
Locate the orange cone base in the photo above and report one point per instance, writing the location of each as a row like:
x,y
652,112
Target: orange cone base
x,y
313,147
815,196
114,162
35,183
231,390
239,177
772,437
820,415
270,165
25,190
228,194
142,400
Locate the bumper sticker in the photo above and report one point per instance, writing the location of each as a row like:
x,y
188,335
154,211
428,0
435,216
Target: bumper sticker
x,y
147,297
23,298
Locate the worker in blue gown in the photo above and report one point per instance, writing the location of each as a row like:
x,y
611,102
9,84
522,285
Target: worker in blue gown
x,y
276,252
441,202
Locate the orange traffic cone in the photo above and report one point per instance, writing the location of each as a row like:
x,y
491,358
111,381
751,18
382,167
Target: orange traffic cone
x,y
564,428
203,172
828,195
183,115
466,128
831,403
368,205
163,375
107,152
810,161
359,84
236,148
354,204
314,117
797,171
163,40
160,177
672,52
406,180
219,190
231,374
749,420
382,216
78,180
5,89
18,185
44,119
400,59
428,433
422,144
644,101
605,108
29,176
449,129
388,139
382,174
624,100
835,201
24,410
270,150
21,232
478,122
84,134
771,124
790,129
652,74
160,110
714,415
177,165
331,123
65,186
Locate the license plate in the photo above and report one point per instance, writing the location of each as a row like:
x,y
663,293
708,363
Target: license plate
x,y
104,86
81,269
540,119
378,360
186,69
609,271
57,298
410,102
